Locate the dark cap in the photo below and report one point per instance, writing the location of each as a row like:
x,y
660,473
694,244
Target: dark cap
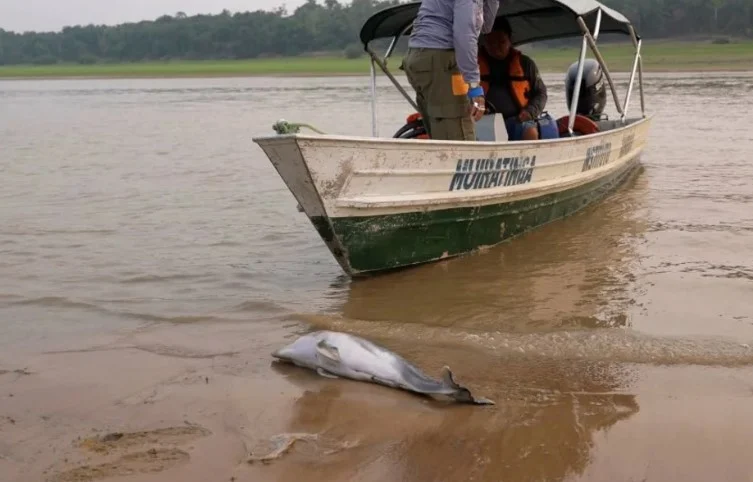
x,y
501,23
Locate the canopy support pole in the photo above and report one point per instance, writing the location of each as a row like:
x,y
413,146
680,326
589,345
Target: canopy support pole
x,y
597,26
375,59
374,128
576,88
632,81
640,85
581,66
382,63
592,43
394,42
637,44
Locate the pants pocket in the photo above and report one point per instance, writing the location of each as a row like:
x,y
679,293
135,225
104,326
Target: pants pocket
x,y
459,87
453,129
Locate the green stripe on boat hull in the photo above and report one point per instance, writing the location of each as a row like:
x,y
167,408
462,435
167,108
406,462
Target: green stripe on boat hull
x,y
379,243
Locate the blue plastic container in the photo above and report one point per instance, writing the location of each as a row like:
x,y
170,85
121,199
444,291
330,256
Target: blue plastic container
x,y
548,128
546,125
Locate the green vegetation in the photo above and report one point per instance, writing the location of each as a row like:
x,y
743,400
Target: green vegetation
x,y
659,56
314,27
189,68
252,43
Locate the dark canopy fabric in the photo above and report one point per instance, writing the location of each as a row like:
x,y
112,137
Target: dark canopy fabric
x,y
531,20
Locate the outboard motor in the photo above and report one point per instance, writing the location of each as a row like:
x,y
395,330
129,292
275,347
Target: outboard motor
x,y
593,92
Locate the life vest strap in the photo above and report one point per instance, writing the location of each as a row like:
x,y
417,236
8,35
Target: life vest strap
x,y
514,76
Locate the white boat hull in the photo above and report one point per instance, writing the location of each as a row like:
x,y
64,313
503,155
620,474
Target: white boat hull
x,y
386,203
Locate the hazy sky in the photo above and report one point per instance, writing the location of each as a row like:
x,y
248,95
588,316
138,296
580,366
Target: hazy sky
x,y
44,15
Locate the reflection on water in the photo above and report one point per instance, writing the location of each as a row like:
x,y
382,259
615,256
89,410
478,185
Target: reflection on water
x,y
533,433
572,274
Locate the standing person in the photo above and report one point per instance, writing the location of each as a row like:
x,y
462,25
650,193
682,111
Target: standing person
x,y
442,65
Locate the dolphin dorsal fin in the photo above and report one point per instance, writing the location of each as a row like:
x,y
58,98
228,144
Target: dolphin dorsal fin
x,y
448,379
327,351
462,394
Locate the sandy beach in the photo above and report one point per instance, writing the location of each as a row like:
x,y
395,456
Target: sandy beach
x,y
192,403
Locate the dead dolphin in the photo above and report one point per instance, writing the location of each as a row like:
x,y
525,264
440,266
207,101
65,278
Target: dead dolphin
x,y
334,354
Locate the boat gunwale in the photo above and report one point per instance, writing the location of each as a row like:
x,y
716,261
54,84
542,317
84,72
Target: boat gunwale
x,y
419,144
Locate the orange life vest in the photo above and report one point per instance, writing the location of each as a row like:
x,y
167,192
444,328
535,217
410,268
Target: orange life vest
x,y
519,85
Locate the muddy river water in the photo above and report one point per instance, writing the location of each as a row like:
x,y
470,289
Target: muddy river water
x,y
151,260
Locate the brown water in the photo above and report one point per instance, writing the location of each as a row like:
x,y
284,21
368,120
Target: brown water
x,y
151,259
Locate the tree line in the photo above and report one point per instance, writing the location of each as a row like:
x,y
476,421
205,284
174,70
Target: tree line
x,y
313,27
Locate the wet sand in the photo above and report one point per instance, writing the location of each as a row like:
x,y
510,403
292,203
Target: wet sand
x,y
133,407
143,289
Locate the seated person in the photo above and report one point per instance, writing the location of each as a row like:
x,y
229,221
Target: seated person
x,y
512,83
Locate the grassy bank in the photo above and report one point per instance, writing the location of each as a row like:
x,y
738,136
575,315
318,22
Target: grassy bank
x,y
658,57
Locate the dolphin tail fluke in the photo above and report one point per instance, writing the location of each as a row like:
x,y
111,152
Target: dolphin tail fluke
x,y
460,393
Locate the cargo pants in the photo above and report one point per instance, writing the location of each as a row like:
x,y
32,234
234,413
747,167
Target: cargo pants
x,y
441,93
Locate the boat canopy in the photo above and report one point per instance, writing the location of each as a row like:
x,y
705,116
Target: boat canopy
x,y
531,20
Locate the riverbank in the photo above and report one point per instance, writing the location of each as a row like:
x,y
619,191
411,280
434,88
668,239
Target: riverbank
x,y
657,57
204,402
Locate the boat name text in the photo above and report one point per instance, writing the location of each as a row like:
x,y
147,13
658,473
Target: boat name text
x,y
597,156
486,173
627,144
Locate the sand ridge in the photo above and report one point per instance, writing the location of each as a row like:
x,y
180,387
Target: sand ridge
x,y
117,453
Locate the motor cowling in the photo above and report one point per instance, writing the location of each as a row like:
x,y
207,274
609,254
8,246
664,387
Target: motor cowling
x,y
593,93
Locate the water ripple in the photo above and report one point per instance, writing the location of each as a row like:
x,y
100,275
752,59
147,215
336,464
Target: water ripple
x,y
603,344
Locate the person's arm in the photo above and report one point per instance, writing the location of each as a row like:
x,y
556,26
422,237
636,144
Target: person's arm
x,y
539,97
490,15
465,37
466,26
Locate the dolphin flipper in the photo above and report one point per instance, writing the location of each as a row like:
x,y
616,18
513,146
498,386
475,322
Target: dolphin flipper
x,y
382,381
327,356
327,351
324,373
